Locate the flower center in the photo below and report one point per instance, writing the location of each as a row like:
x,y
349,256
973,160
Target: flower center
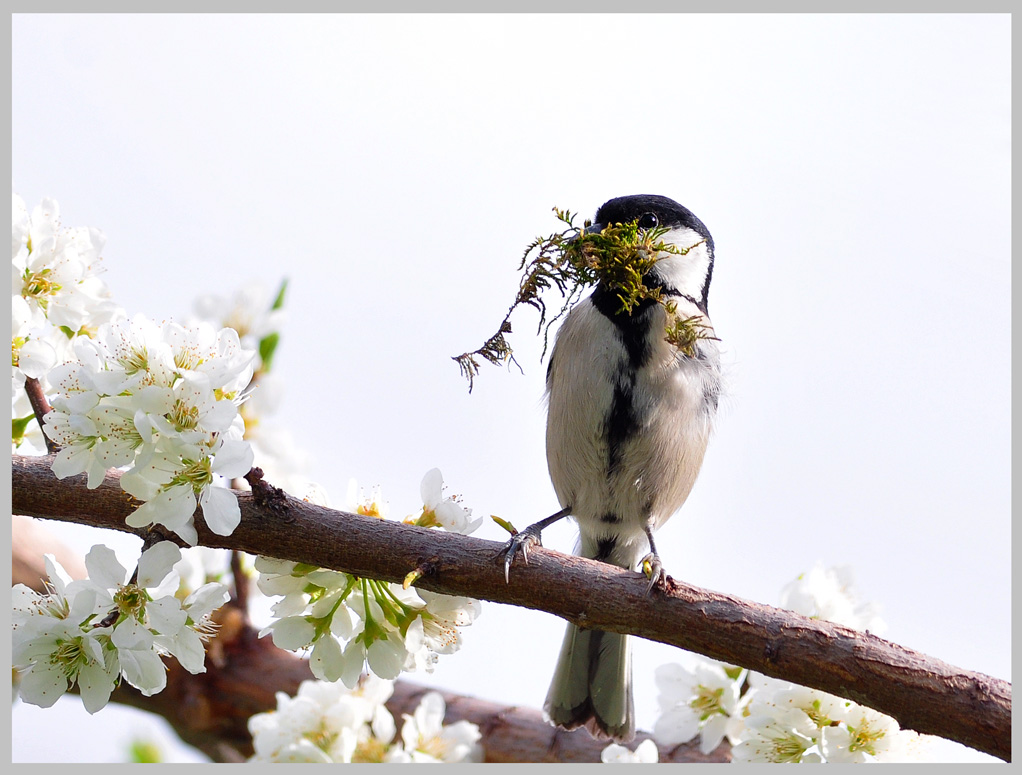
x,y
197,474
864,738
433,746
39,285
707,702
130,601
70,656
183,417
789,748
370,751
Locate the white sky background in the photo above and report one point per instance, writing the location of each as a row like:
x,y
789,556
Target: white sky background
x,y
854,173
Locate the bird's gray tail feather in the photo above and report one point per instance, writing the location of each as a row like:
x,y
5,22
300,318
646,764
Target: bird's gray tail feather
x,y
592,684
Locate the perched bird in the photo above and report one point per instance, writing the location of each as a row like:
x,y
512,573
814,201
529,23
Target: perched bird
x,y
628,422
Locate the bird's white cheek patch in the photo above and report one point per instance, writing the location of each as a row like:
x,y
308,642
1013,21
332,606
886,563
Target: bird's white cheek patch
x,y
686,273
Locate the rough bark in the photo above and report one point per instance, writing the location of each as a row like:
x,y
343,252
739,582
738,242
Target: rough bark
x,y
210,711
921,692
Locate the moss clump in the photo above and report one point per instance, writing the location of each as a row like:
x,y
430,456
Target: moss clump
x,y
575,258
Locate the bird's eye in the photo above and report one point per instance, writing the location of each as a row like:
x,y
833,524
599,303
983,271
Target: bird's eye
x,y
649,221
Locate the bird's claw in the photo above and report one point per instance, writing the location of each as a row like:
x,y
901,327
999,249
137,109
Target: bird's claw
x,y
654,570
519,542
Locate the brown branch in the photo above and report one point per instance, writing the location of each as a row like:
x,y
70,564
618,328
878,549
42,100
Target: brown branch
x,y
921,692
41,407
210,711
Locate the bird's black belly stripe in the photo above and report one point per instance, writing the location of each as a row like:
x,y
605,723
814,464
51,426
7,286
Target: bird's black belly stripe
x,y
604,547
621,421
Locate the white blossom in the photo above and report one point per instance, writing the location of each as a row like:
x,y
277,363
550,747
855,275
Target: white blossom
x,y
52,648
785,722
704,701
163,401
443,620
424,738
645,753
443,512
828,594
56,653
770,720
791,723
91,631
372,505
789,737
55,269
868,736
350,624
326,722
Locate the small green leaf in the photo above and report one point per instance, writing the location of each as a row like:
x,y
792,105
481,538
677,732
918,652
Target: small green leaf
x,y
18,428
504,524
267,346
278,303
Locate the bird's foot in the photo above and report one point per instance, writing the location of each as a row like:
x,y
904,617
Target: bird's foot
x,y
520,543
653,569
530,536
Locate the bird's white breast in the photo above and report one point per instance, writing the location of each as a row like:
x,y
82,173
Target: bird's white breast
x,y
673,398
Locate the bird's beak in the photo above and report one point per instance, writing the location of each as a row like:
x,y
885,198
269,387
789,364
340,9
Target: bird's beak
x,y
595,228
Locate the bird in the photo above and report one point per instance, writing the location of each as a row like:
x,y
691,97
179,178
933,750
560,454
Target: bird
x,y
629,416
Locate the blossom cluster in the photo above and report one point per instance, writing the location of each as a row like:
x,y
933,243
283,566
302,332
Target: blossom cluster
x,y
768,720
166,403
56,294
160,400
327,722
95,631
350,622
163,401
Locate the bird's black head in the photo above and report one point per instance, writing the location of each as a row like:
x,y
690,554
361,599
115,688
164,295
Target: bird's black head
x,y
687,276
651,211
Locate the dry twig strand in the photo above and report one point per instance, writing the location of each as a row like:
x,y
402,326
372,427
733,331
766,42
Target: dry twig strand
x,y
921,692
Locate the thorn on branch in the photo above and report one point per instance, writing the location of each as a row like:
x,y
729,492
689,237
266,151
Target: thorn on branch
x,y
266,496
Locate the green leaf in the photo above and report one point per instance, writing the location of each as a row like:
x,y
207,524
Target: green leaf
x,y
18,428
267,346
278,303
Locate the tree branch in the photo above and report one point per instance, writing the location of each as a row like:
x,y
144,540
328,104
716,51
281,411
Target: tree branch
x,y
210,711
921,692
41,407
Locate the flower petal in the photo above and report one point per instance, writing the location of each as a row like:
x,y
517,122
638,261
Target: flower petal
x,y
431,488
220,509
156,562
